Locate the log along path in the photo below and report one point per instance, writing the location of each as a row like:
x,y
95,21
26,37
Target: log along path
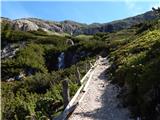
x,y
100,101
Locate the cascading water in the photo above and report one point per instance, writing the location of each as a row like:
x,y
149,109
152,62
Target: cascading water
x,y
61,61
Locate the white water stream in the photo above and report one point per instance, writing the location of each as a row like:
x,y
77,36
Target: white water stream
x,y
61,61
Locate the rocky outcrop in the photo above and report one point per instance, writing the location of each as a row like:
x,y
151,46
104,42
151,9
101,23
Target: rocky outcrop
x,y
25,25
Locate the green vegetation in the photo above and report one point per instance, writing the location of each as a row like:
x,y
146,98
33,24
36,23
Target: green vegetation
x,y
134,54
136,67
38,95
84,36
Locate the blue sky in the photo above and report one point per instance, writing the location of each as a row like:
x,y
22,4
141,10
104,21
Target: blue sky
x,y
80,11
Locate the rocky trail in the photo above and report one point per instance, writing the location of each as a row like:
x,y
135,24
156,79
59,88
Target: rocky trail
x,y
100,101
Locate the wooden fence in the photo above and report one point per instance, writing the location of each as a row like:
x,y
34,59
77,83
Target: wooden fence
x,y
77,98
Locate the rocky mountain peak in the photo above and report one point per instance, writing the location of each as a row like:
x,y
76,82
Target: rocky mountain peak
x,y
75,28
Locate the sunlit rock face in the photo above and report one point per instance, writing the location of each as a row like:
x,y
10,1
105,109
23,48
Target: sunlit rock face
x,y
69,42
25,25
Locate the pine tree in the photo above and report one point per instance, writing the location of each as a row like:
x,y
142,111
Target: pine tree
x,y
156,11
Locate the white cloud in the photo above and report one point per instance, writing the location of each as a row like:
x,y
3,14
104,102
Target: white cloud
x,y
155,4
130,4
133,8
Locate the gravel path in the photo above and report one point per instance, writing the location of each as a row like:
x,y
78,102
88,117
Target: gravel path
x,y
100,101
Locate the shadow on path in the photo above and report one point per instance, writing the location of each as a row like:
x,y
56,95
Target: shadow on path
x,y
109,109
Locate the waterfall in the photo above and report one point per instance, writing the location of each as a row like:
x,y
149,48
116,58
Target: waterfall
x,y
61,61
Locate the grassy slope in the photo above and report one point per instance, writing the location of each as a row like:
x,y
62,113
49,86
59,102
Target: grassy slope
x,y
136,67
40,94
134,55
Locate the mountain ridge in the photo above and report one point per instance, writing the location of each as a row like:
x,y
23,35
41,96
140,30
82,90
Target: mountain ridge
x,y
76,28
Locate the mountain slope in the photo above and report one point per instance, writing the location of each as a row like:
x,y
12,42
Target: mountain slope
x,y
136,67
71,27
32,80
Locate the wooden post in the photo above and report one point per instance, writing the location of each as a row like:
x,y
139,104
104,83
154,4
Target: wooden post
x,y
78,75
91,65
66,96
86,67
